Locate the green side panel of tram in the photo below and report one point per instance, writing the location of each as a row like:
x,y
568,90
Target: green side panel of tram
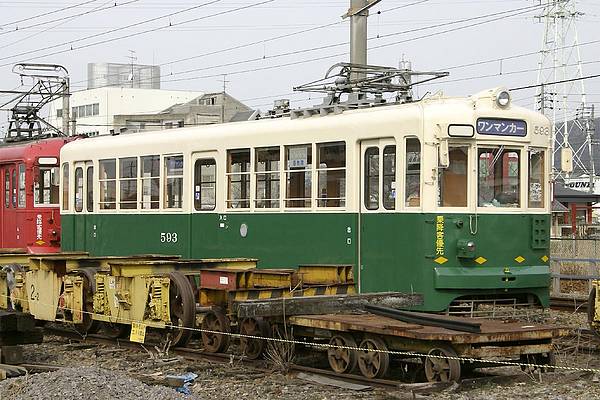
x,y
405,252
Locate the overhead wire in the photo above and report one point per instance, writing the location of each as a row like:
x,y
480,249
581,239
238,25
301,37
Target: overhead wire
x,y
498,15
29,18
115,5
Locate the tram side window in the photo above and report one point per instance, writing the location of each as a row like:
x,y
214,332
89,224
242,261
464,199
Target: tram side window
x,y
78,189
372,178
267,177
6,189
14,188
205,184
173,182
65,187
499,177
536,178
238,178
128,173
298,164
389,177
22,197
453,180
412,195
45,186
90,189
108,184
150,182
331,174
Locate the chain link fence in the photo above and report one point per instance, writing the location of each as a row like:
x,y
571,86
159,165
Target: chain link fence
x,y
574,263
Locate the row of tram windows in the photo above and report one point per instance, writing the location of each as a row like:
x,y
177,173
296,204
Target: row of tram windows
x,y
138,180
499,174
45,186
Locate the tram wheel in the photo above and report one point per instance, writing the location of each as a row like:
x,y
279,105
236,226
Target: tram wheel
x,y
89,325
342,360
439,365
182,307
252,347
213,322
115,330
373,358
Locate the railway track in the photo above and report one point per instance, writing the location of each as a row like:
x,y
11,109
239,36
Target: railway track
x,y
573,304
201,355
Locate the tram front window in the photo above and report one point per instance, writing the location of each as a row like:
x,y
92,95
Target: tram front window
x,y
498,177
45,186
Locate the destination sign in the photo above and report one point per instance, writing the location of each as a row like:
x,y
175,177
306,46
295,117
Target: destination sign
x,y
501,127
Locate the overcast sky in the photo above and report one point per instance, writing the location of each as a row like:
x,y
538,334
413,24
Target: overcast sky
x,y
215,27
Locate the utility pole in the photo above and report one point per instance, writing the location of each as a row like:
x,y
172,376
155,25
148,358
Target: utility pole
x,y
66,107
359,15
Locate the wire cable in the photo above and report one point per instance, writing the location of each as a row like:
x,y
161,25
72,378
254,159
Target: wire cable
x,y
47,13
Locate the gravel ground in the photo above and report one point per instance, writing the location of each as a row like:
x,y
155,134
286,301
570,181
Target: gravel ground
x,y
103,372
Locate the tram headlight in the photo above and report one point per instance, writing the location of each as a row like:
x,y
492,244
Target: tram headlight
x,y
503,98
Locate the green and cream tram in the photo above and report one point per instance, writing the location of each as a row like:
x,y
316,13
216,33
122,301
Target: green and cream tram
x,y
448,197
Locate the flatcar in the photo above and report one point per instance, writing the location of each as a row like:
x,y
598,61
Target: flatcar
x,y
448,197
29,179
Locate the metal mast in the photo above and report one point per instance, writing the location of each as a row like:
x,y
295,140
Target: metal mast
x,y
565,103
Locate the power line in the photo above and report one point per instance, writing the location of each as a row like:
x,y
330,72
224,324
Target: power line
x,y
62,21
499,15
48,13
556,82
115,5
71,42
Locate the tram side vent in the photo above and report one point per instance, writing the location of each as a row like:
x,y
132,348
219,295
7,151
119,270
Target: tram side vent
x,y
539,233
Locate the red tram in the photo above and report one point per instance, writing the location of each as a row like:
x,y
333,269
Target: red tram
x,y
29,195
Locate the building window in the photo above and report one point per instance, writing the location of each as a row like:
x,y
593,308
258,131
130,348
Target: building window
x,y
96,109
74,112
81,112
78,189
412,195
174,182
89,110
371,171
331,174
45,186
90,189
238,177
267,177
128,183
537,187
59,113
298,162
453,180
150,182
389,177
108,184
6,189
22,197
205,184
499,176
65,186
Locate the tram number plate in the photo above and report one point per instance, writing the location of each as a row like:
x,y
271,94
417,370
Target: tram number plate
x,y
138,332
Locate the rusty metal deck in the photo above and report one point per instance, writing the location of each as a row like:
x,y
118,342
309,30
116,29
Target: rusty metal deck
x,y
491,330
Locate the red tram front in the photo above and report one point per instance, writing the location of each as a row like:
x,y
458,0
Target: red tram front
x,y
29,197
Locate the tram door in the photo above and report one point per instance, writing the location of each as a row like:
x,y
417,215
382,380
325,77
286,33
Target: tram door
x,y
378,203
9,206
83,201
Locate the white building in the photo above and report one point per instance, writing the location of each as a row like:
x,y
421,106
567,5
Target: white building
x,y
93,111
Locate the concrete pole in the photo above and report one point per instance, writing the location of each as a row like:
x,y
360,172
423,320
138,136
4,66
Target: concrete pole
x,y
358,33
66,108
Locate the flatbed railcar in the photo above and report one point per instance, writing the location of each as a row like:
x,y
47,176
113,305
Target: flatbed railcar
x,y
448,197
29,180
